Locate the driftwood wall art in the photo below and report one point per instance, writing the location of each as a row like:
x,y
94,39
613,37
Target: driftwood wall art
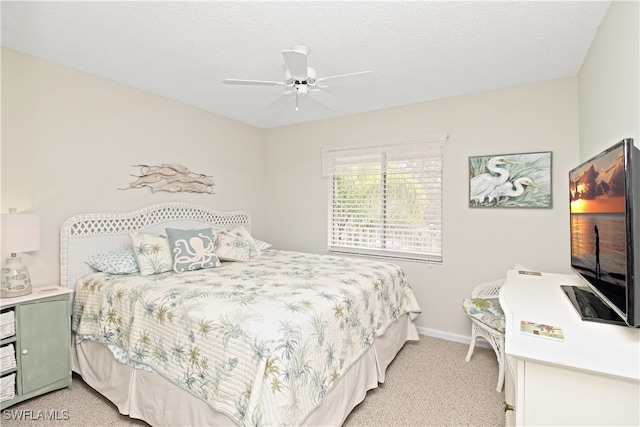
x,y
173,178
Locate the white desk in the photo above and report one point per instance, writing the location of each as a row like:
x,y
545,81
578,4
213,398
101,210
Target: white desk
x,y
592,377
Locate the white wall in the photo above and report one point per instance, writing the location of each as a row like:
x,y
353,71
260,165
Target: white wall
x,y
479,244
69,140
609,82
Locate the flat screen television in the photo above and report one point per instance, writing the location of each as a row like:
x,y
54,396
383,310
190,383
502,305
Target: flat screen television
x,y
604,196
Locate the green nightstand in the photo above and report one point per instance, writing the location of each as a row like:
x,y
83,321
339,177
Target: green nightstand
x,y
41,342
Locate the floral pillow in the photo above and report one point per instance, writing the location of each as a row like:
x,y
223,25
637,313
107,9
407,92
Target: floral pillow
x,y
115,262
152,252
192,249
236,245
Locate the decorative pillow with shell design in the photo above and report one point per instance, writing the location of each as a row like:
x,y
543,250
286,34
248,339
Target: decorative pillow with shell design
x,y
236,245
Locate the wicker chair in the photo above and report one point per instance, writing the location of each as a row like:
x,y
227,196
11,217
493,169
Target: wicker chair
x,y
487,321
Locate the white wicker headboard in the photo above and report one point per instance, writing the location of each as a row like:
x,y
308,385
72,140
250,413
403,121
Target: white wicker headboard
x,y
89,234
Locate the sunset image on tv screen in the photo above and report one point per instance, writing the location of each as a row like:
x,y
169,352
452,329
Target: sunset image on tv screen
x,y
598,229
599,186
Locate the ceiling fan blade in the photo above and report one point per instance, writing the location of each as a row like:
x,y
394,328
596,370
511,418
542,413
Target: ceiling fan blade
x,y
296,61
362,77
251,82
279,102
323,98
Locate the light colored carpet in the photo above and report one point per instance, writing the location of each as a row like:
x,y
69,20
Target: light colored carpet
x,y
428,384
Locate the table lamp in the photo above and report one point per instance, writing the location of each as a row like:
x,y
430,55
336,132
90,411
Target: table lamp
x,y
19,233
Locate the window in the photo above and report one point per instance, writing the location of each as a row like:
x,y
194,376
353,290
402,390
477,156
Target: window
x,y
386,200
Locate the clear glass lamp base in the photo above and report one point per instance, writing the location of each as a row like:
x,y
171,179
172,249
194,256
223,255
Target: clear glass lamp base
x,y
16,280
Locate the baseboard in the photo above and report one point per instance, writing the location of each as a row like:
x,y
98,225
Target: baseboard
x,y
451,337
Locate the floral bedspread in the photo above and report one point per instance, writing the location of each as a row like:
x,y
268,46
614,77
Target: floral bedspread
x,y
261,341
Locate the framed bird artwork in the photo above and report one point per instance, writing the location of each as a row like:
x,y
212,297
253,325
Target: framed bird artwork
x,y
520,180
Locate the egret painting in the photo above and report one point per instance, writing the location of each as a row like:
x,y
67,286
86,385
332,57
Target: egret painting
x,y
510,180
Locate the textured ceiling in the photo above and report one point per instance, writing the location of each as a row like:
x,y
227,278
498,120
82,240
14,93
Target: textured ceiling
x,y
419,50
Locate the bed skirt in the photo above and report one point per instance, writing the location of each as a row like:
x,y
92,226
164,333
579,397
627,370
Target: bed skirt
x,y
148,396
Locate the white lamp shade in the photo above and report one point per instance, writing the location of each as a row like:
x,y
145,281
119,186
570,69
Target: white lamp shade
x,y
20,233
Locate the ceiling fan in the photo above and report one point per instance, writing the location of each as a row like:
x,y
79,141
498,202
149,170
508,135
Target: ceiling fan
x,y
301,80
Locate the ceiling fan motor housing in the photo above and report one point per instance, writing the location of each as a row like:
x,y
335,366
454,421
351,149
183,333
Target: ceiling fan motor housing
x,y
310,80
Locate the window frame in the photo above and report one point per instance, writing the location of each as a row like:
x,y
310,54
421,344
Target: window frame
x,y
428,151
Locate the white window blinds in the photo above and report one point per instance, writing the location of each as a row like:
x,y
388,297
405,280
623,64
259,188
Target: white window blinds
x,y
386,200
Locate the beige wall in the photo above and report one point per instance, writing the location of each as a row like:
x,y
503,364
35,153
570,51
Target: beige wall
x,y
574,118
479,244
69,140
609,82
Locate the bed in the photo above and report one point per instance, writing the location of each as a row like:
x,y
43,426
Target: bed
x,y
248,335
